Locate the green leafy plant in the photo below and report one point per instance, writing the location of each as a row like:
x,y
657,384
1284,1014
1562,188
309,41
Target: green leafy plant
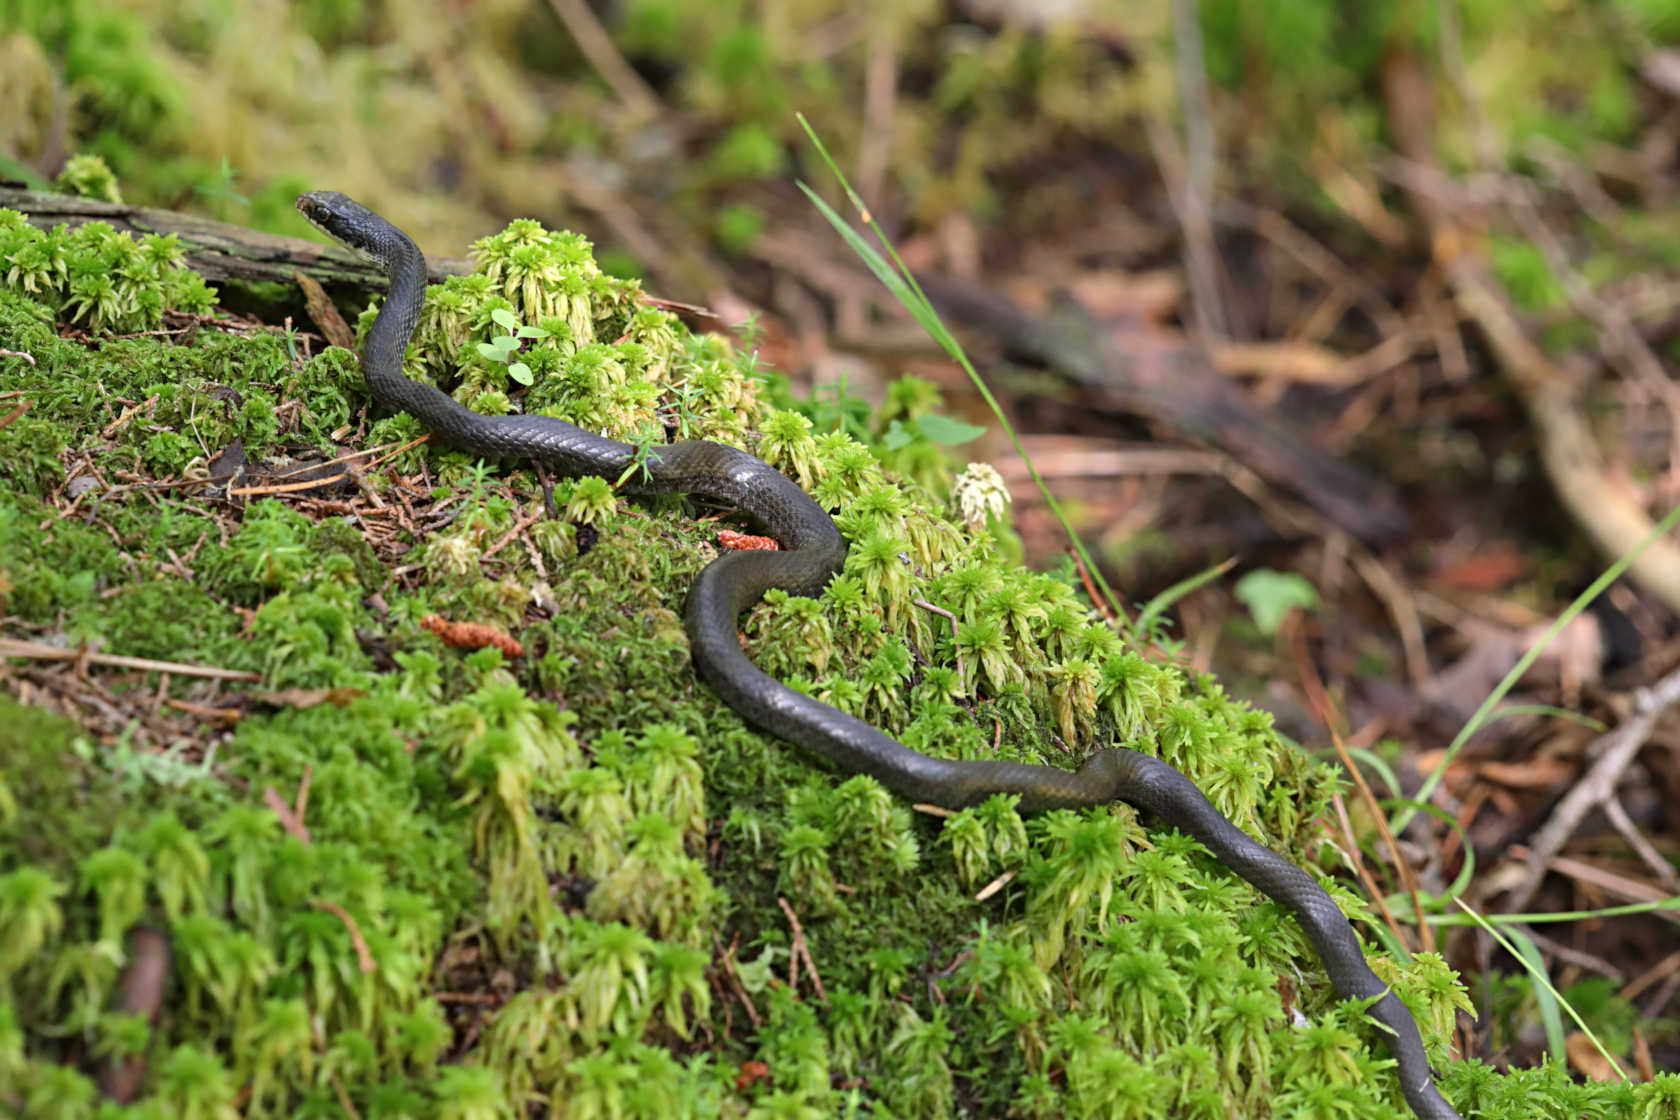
x,y
89,176
29,915
502,347
98,275
1270,596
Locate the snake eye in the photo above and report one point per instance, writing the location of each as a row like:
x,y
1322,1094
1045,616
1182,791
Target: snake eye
x,y
312,209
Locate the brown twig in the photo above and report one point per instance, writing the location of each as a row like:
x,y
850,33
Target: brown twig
x,y
289,820
800,950
1609,882
726,959
1662,970
223,717
344,1100
1643,848
368,453
1615,751
489,999
364,958
1190,184
127,414
598,48
962,677
1321,262
1601,506
7,420
1090,590
40,651
1401,608
524,524
1570,955
268,489
995,885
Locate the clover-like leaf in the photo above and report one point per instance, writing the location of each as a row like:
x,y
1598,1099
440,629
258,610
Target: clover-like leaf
x,y
1270,596
946,431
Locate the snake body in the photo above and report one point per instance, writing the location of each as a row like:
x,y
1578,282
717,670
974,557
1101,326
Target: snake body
x,y
812,551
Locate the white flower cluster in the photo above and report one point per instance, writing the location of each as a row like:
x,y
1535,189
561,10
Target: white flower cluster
x,y
979,492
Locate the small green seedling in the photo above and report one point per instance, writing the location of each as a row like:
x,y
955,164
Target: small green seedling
x,y
1270,596
939,429
503,347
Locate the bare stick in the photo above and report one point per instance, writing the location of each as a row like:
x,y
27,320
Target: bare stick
x,y
598,48
962,678
1194,196
40,651
1598,786
363,957
801,950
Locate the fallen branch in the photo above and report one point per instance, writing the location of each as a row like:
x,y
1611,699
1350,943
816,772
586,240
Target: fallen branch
x,y
41,651
364,958
217,250
800,950
1598,787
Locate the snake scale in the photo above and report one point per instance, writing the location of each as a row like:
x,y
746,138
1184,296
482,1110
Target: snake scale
x,y
812,551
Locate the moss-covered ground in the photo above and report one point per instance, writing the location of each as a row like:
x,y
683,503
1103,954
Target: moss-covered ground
x,y
400,878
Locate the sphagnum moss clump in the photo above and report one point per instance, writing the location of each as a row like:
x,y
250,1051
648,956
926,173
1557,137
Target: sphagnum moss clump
x,y
588,838
96,276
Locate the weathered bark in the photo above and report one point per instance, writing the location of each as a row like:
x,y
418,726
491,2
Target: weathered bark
x,y
218,251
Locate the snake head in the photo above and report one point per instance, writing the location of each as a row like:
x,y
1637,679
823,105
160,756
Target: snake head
x,y
341,217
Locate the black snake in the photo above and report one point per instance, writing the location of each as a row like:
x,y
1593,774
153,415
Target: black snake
x,y
812,551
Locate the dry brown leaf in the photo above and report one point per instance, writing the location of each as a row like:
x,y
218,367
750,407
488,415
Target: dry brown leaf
x,y
311,697
1586,1059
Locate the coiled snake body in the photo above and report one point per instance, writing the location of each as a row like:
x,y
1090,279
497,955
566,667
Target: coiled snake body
x,y
813,551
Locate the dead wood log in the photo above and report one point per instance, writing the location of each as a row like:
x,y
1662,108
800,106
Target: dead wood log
x,y
218,251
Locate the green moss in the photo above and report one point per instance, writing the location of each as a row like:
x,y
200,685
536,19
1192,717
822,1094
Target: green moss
x,y
166,620
91,177
163,408
96,275
1524,271
54,564
29,455
276,548
35,744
